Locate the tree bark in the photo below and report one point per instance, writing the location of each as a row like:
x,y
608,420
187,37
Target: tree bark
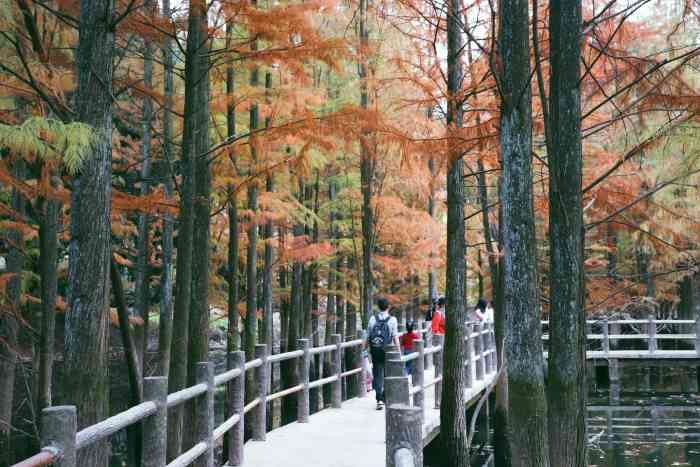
x,y
453,418
142,282
251,316
9,322
50,212
366,177
289,367
527,411
196,86
86,382
199,301
133,364
566,384
165,331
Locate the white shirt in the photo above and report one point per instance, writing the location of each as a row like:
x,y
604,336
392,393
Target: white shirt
x,y
488,315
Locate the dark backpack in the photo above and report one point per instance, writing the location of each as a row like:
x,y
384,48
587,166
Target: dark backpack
x,y
380,335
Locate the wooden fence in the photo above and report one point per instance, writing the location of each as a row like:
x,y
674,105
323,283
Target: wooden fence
x,y
610,334
405,415
61,440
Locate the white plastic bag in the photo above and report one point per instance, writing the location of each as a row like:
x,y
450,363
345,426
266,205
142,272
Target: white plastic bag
x,y
368,370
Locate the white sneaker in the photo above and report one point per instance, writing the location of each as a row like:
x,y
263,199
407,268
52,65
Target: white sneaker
x,y
380,405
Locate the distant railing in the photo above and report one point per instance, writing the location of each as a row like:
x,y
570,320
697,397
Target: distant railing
x,y
61,440
648,332
405,397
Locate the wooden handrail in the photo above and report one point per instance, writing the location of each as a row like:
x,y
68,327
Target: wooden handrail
x,y
62,439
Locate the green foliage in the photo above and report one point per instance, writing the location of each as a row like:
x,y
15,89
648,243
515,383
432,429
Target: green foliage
x,y
49,139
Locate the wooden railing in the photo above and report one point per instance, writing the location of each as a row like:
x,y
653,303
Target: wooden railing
x,y
61,440
644,329
405,396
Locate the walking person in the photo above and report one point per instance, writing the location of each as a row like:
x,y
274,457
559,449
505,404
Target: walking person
x,y
437,325
484,311
382,331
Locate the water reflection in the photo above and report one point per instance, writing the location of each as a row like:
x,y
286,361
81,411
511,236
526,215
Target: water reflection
x,y
652,417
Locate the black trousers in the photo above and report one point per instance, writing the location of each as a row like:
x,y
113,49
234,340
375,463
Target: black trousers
x,y
378,366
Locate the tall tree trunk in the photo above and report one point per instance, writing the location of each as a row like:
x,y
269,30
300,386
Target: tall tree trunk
x,y
234,338
330,324
268,317
432,276
196,86
251,315
199,301
86,383
9,322
289,367
317,370
133,364
486,224
566,384
50,211
350,326
366,177
165,331
527,409
453,419
142,287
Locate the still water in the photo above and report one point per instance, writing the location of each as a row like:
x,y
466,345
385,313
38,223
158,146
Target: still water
x,y
651,418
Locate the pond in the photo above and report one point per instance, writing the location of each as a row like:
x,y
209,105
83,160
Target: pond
x,y
650,418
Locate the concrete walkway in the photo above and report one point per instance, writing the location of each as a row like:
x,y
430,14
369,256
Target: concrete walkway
x,y
348,437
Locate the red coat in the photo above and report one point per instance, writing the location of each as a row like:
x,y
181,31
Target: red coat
x,y
407,340
438,323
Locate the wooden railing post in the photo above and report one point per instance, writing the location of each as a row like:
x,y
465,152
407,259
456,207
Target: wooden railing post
x,y
261,384
337,369
492,348
397,390
58,427
417,372
428,339
236,400
303,397
652,333
438,340
394,365
469,355
404,436
479,351
359,363
204,414
606,335
155,427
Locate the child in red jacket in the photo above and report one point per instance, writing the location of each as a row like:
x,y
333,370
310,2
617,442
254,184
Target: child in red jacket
x,y
407,343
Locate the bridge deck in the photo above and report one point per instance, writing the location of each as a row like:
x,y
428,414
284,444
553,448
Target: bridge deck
x,y
347,437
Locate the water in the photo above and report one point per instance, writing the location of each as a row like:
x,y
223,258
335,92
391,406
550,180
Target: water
x,y
652,418
654,413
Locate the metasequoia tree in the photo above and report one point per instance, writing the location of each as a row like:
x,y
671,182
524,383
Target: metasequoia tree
x,y
527,409
86,345
189,317
566,383
452,417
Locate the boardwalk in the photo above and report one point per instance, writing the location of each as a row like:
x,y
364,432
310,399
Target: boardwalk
x,y
348,437
352,433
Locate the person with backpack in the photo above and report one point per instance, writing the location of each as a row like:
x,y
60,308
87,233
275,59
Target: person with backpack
x,y
437,324
382,331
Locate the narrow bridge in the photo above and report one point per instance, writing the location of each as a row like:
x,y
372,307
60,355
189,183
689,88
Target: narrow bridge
x,y
351,432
